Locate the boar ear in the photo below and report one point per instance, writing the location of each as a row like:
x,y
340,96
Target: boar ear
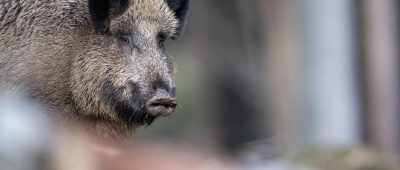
x,y
180,7
102,11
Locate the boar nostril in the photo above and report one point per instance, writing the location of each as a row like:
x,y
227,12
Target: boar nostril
x,y
162,104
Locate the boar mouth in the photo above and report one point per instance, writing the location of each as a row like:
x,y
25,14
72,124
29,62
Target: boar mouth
x,y
133,116
129,109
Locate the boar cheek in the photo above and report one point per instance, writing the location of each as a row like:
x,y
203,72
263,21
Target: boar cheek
x,y
129,109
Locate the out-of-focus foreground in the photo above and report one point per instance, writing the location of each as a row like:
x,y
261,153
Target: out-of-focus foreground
x,y
263,84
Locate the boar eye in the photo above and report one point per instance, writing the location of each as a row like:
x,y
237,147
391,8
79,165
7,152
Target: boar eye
x,y
125,40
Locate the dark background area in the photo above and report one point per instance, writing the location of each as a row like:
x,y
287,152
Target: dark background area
x,y
277,71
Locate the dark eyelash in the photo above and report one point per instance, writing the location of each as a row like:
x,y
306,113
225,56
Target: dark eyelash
x,y
123,33
161,37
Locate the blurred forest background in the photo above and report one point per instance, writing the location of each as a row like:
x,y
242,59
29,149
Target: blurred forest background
x,y
295,74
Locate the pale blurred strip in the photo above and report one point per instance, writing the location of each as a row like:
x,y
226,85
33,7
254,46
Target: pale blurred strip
x,y
331,63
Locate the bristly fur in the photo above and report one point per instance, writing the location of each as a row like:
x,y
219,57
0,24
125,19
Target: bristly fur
x,y
90,61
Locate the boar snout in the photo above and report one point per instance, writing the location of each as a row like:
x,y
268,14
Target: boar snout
x,y
162,103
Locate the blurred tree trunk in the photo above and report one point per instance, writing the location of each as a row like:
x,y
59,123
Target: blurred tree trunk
x,y
382,73
311,60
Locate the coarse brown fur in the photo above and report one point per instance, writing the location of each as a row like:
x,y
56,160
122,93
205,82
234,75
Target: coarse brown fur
x,y
52,50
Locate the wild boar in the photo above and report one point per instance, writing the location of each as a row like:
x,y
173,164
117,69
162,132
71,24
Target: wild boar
x,y
101,63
